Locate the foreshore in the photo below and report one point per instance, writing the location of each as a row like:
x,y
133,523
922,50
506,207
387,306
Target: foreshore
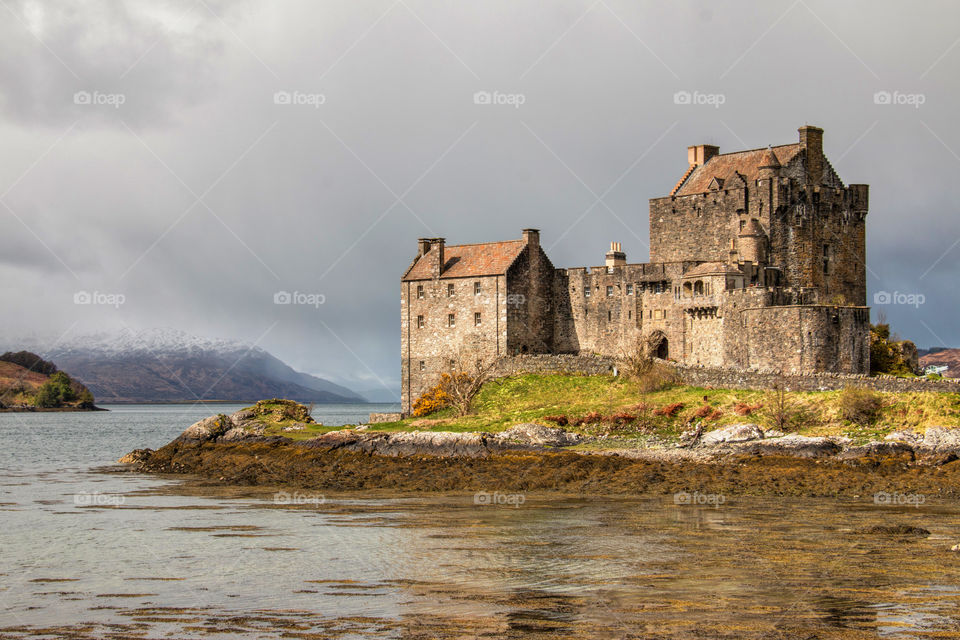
x,y
535,458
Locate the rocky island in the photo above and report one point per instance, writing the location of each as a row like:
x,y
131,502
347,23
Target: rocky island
x,y
678,439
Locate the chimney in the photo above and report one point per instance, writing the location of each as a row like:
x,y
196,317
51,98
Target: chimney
x,y
423,245
531,237
699,154
616,257
436,265
811,141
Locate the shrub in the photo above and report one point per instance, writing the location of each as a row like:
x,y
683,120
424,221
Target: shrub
x,y
744,409
621,418
703,411
434,399
560,420
860,406
669,410
782,413
59,388
648,374
592,418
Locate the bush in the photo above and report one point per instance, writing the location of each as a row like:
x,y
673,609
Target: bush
x,y
59,388
669,410
560,421
744,409
782,413
648,374
433,400
860,406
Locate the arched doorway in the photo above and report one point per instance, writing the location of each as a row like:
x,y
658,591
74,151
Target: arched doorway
x,y
663,349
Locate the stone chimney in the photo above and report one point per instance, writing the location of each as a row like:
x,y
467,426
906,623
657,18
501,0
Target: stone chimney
x,y
438,260
699,154
531,237
423,245
811,141
616,257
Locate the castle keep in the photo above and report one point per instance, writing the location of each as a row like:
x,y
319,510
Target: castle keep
x,y
757,261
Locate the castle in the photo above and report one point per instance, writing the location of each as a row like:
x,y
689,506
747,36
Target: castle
x,y
757,261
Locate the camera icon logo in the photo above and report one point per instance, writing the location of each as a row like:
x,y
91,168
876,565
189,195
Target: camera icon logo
x,y
682,97
282,97
882,297
82,97
82,297
882,498
282,297
482,497
882,97
682,497
482,97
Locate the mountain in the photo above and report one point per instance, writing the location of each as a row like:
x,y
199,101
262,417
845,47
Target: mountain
x,y
947,357
163,365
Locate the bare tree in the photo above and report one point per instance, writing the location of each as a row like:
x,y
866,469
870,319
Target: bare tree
x,y
638,364
466,375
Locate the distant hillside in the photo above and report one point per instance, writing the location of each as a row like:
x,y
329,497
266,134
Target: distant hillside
x,y
28,382
172,366
947,357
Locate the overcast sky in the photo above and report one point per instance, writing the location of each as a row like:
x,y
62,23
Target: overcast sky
x,y
197,157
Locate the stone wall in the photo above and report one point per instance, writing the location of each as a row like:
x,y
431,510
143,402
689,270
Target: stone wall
x,y
550,363
736,379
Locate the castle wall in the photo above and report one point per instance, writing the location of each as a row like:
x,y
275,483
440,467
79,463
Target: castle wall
x,y
436,343
697,227
529,301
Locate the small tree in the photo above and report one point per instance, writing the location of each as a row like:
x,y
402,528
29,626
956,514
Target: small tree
x,y
466,377
782,412
639,366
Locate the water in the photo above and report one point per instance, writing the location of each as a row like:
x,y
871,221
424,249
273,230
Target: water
x,y
85,553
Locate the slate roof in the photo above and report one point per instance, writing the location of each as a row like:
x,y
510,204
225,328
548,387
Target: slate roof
x,y
726,166
469,260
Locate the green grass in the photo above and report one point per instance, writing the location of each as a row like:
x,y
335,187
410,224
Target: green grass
x,y
505,402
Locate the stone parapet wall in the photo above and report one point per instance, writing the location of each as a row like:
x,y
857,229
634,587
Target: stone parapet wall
x,y
723,378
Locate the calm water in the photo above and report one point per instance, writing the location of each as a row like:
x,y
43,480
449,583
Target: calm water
x,y
90,554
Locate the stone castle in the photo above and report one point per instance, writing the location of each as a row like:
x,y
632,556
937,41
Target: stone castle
x,y
757,261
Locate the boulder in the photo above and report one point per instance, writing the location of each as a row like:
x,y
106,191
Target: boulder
x,y
794,445
208,429
732,433
906,437
942,440
136,456
538,434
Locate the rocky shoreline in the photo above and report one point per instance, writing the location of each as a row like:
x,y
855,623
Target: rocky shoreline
x,y
740,459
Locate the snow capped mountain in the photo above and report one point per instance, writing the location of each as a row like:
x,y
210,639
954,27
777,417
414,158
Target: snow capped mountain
x,y
166,365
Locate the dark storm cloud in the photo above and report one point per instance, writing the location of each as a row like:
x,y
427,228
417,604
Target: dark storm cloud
x,y
303,147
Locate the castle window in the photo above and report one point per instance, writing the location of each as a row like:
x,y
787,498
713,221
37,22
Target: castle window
x,y
453,364
450,290
451,320
476,288
586,292
420,291
420,322
743,223
609,316
609,291
629,289
629,314
476,319
826,259
423,365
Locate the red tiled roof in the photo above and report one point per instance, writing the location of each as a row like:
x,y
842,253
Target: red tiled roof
x,y
726,166
466,260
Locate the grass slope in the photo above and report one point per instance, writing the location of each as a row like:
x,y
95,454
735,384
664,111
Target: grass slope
x,y
505,402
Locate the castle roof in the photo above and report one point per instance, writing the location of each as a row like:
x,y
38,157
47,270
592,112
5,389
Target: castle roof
x,y
727,166
752,228
469,260
713,269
